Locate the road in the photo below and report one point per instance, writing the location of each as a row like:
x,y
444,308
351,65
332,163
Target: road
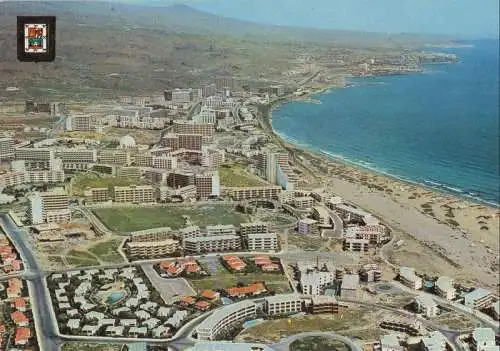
x,y
48,338
284,344
167,288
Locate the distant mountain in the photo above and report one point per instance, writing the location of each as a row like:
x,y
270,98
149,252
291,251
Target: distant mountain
x,y
183,18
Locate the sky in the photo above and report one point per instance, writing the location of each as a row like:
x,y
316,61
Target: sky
x,y
476,18
468,18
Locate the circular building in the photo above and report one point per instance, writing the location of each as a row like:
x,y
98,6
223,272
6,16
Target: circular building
x,y
126,142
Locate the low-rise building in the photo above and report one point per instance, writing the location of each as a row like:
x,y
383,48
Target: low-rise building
x,y
308,226
444,288
390,342
483,339
212,244
479,299
152,248
435,341
426,305
408,277
324,304
224,317
349,287
282,304
262,242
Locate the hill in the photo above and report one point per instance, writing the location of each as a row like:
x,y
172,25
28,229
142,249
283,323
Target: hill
x,y
155,48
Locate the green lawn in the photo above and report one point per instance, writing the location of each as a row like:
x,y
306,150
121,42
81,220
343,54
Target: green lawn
x,y
91,180
133,219
223,279
317,343
236,175
90,347
107,251
81,259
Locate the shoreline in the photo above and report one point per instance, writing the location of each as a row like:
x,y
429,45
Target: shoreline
x,y
312,96
429,216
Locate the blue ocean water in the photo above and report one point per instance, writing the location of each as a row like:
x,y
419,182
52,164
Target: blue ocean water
x,y
439,128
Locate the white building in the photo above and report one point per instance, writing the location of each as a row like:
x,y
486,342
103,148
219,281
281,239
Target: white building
x,y
408,277
262,242
426,305
314,282
224,317
283,304
479,298
390,342
308,226
445,288
349,287
435,341
483,339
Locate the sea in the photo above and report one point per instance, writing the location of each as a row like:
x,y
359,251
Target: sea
x,y
439,128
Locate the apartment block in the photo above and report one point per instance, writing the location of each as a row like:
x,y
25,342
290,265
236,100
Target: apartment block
x,y
225,317
207,185
212,158
49,207
444,287
80,122
246,193
164,192
324,304
426,305
152,248
179,179
115,157
253,228
6,148
99,195
220,229
356,245
165,162
314,282
188,127
156,175
183,141
212,244
134,194
128,172
262,242
349,286
479,299
303,202
282,304
408,277
307,226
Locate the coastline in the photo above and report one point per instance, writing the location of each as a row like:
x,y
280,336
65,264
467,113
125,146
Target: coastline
x,y
421,205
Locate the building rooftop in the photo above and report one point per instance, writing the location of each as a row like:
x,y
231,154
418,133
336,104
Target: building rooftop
x,y
350,281
435,341
484,336
390,340
222,313
282,298
426,300
408,273
477,294
445,283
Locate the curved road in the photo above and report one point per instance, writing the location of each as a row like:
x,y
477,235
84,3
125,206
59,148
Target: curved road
x,y
284,344
48,334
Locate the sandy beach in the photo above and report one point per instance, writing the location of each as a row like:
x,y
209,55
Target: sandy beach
x,y
462,234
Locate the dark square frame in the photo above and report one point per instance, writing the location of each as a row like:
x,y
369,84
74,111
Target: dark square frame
x,y
50,55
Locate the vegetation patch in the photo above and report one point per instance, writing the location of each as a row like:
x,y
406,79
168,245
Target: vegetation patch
x,y
107,251
236,175
318,343
137,218
84,181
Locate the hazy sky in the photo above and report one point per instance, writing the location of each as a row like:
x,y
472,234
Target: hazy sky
x,y
476,18
467,17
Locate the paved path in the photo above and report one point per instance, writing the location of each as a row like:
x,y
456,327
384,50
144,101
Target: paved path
x,y
284,344
168,288
47,331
